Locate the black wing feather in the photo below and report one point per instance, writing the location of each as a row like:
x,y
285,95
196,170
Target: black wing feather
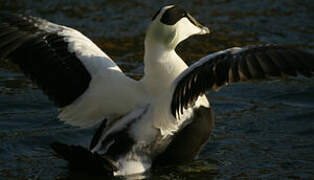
x,y
44,57
234,77
234,65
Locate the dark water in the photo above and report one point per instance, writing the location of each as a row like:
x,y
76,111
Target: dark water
x,y
264,129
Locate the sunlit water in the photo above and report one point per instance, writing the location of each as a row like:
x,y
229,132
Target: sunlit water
x,y
263,129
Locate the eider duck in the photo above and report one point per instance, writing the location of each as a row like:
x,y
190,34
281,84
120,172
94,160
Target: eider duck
x,y
164,118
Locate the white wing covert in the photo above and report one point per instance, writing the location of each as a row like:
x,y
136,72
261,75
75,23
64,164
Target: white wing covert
x,y
71,70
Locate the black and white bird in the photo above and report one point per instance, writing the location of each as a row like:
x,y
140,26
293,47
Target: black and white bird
x,y
164,118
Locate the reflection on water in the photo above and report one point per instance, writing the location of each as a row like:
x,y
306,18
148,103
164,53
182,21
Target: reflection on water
x,y
266,132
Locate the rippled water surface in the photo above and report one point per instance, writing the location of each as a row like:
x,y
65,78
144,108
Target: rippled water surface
x,y
263,129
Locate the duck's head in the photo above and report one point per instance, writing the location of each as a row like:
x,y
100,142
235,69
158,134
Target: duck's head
x,y
171,25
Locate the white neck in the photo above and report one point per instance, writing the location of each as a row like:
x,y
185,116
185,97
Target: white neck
x,y
162,66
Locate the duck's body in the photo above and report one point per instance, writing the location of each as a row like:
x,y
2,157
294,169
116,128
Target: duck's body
x,y
165,117
143,134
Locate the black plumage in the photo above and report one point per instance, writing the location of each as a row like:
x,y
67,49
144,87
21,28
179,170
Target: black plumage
x,y
98,134
83,160
173,15
233,65
184,147
254,67
43,56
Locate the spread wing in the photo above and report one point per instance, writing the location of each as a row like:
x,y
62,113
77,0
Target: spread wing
x,y
234,65
71,70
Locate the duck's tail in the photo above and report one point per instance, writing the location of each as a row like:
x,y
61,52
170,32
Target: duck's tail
x,y
81,159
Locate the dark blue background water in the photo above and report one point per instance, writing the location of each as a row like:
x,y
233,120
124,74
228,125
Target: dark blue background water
x,y
263,129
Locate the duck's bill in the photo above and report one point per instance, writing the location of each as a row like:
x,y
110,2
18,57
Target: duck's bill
x,y
204,29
